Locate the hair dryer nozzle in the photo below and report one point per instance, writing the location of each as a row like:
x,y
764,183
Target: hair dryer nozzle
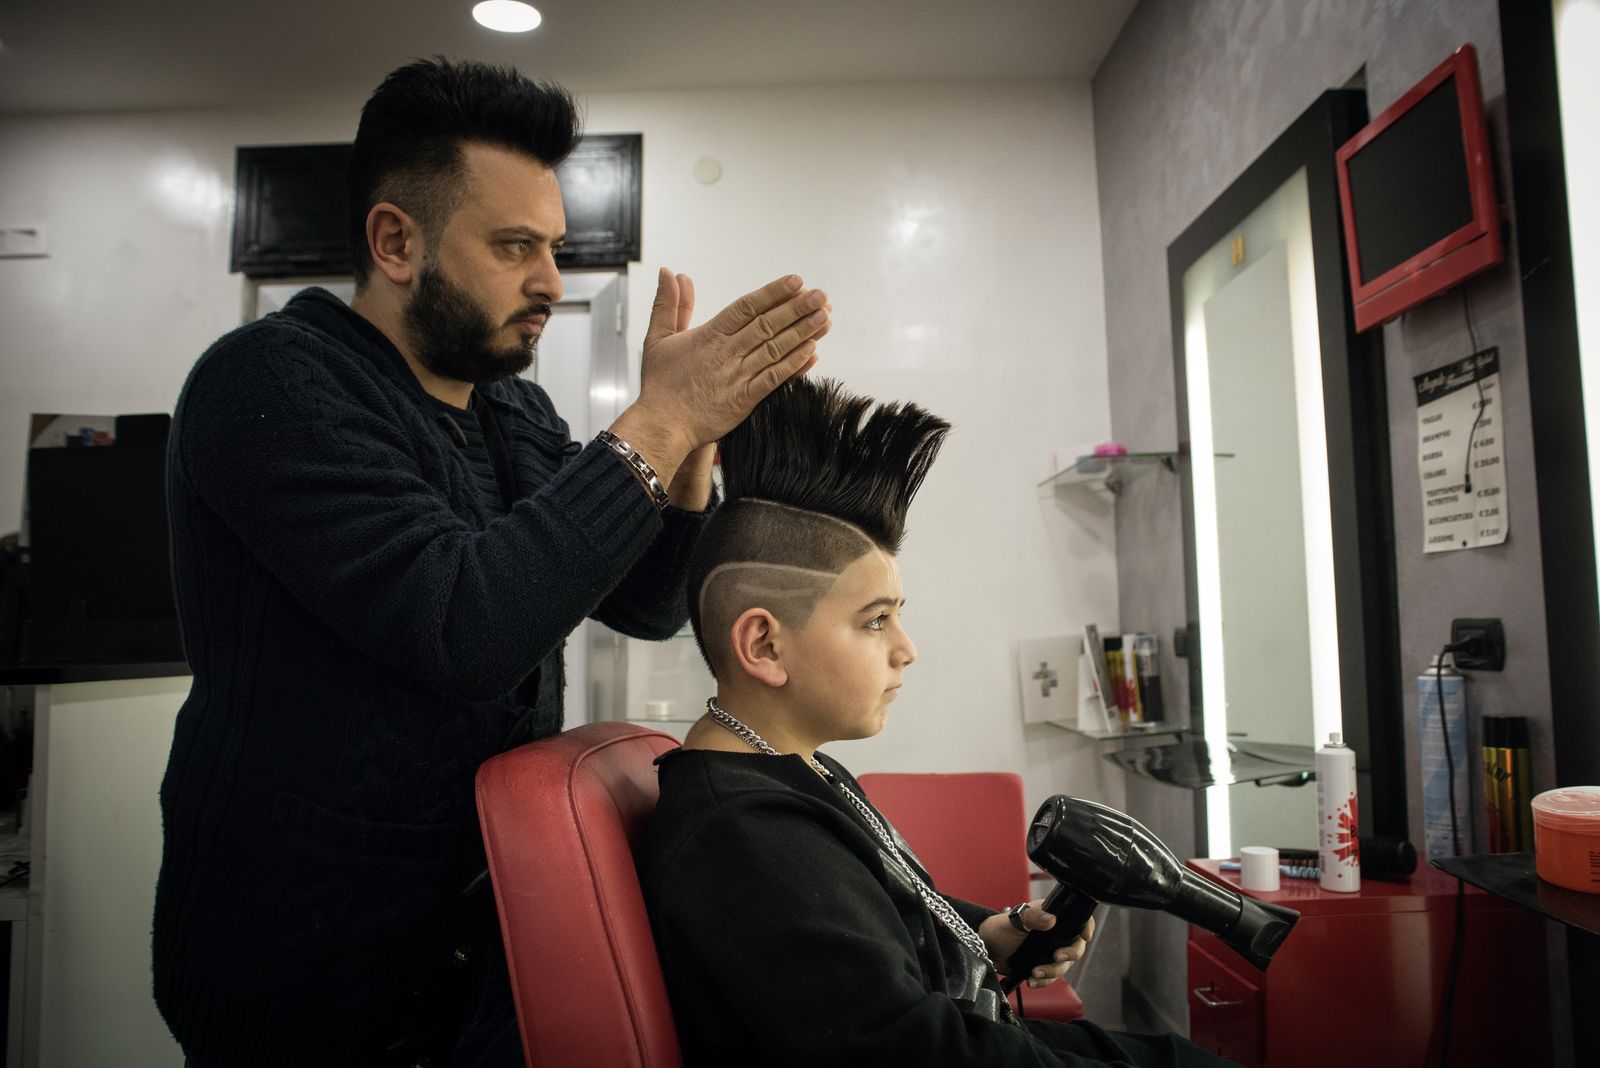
x,y
1260,930
1113,857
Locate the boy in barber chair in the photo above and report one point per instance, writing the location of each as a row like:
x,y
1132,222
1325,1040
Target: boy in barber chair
x,y
794,925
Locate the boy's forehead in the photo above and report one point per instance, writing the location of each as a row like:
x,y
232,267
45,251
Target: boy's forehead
x,y
868,578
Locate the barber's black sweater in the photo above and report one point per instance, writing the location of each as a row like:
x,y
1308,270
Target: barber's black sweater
x,y
365,628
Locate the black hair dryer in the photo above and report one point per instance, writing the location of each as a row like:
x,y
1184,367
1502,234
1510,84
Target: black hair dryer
x,y
1099,854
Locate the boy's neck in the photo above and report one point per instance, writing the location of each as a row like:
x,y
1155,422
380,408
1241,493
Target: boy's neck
x,y
758,712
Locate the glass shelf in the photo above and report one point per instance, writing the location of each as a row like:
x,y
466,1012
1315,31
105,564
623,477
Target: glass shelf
x,y
1190,764
1145,730
1112,471
1512,876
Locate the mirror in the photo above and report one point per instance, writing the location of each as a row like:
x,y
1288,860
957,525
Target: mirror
x,y
1288,535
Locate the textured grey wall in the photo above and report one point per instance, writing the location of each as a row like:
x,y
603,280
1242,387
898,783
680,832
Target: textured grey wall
x,y
1191,93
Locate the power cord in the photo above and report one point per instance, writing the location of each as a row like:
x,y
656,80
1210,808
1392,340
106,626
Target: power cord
x,y
1477,645
1472,336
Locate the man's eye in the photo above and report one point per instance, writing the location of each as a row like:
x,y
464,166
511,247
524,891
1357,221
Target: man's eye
x,y
877,621
520,246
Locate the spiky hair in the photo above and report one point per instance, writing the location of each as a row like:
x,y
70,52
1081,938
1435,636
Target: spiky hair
x,y
410,146
813,479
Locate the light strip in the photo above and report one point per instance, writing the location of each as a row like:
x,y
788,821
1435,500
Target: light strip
x,y
1322,611
1577,33
1208,569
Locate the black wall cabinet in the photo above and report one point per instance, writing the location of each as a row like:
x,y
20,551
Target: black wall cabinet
x,y
291,207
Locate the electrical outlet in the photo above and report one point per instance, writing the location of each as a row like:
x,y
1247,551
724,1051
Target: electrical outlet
x,y
1493,655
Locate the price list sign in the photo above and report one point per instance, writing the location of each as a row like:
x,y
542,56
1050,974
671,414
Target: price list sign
x,y
1460,454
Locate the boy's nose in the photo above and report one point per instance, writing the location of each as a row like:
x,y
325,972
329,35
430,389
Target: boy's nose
x,y
906,651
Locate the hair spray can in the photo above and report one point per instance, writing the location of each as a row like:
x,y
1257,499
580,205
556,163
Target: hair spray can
x,y
1445,772
1505,784
1338,843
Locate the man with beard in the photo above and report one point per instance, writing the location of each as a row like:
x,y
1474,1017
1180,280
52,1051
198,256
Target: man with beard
x,y
381,537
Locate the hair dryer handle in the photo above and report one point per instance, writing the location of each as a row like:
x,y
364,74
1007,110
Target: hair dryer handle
x,y
1072,909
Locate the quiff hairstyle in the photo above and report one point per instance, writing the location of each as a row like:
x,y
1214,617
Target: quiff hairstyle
x,y
813,480
409,146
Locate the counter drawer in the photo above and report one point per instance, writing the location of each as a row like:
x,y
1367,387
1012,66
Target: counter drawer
x,y
1225,1010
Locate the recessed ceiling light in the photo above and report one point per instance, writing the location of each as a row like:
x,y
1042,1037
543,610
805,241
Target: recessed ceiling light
x,y
507,16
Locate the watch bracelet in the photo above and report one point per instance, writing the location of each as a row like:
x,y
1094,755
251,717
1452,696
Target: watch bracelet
x,y
638,466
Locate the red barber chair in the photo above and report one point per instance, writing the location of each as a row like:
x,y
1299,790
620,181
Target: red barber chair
x,y
561,818
969,830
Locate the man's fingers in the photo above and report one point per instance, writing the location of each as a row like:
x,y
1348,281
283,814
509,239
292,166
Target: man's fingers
x,y
772,322
742,312
685,301
777,346
778,373
664,311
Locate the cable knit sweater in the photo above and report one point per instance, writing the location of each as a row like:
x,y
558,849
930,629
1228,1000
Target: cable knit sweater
x,y
363,634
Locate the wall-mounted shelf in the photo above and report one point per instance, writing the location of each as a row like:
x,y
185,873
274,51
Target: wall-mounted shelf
x,y
1112,471
1147,730
1191,764
1514,877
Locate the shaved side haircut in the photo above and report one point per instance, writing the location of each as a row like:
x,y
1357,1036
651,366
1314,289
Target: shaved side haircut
x,y
813,480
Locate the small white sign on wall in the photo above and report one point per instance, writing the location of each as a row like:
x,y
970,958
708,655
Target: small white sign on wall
x,y
1048,671
1461,455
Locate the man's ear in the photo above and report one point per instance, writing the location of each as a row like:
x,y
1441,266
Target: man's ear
x,y
395,241
755,637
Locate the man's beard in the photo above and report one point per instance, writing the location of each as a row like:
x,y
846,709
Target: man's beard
x,y
454,338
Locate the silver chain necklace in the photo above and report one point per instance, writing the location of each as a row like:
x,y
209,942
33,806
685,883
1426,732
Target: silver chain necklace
x,y
935,902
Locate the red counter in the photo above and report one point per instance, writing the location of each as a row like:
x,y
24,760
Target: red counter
x,y
1359,982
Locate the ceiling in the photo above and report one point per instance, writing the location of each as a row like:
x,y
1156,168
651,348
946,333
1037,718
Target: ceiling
x,y
100,55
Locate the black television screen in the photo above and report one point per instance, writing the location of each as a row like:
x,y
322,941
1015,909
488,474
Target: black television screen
x,y
1416,189
1409,187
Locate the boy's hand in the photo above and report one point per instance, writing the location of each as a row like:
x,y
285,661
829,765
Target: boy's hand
x,y
1002,940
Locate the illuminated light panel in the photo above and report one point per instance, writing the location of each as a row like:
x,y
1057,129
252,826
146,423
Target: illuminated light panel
x,y
1208,570
1577,32
507,16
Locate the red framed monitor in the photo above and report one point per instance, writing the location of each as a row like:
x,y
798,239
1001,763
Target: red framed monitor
x,y
1417,191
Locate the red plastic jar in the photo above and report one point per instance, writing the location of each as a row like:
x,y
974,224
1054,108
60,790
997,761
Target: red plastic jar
x,y
1566,837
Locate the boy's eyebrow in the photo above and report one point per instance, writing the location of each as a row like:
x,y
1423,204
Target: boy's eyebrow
x,y
882,602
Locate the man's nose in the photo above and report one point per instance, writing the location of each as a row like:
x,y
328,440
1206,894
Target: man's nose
x,y
544,282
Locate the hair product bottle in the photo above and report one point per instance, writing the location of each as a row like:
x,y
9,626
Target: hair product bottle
x,y
1338,844
1508,815
1131,670
1438,772
1146,647
1118,670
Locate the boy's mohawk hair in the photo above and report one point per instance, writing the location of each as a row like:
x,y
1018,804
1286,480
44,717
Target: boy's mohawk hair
x,y
814,478
812,446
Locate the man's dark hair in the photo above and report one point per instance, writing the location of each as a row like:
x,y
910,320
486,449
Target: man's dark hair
x,y
813,480
408,147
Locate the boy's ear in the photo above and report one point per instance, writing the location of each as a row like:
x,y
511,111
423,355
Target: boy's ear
x,y
395,241
755,646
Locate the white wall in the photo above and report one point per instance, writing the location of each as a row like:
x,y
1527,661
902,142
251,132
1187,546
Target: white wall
x,y
955,228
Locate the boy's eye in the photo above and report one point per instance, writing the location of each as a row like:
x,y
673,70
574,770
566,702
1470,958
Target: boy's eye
x,y
877,621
